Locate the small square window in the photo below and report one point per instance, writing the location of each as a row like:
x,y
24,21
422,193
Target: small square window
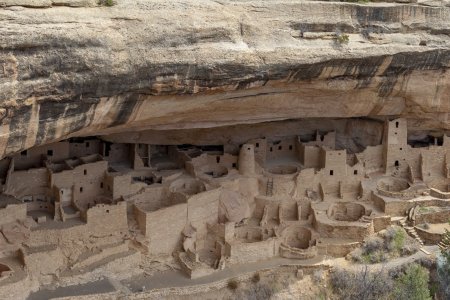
x,y
50,152
85,172
87,145
355,172
279,147
234,165
331,172
257,145
101,185
271,149
290,147
24,153
81,189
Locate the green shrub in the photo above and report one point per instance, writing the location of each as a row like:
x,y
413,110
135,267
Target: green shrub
x,y
107,2
413,284
399,239
342,38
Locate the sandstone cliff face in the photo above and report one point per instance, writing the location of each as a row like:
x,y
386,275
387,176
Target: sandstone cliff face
x,y
153,65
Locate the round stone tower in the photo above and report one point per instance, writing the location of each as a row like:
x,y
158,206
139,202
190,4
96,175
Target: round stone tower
x,y
247,159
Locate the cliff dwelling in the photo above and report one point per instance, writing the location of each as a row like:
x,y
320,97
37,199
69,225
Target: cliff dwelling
x,y
224,149
72,206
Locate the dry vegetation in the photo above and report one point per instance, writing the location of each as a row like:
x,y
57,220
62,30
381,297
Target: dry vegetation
x,y
390,243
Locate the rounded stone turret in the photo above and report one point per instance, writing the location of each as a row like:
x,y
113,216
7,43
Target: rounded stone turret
x,y
247,159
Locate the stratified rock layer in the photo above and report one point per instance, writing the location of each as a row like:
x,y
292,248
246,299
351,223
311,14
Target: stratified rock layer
x,y
153,65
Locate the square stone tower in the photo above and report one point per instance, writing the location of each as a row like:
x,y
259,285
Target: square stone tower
x,y
395,143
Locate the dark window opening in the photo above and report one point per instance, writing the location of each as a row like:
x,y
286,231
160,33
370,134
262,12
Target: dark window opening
x,y
212,148
331,172
234,165
107,148
395,132
397,163
249,148
81,189
257,145
62,192
279,147
355,172
107,211
85,172
271,149
401,148
24,153
218,159
322,137
49,152
290,147
396,124
87,144
101,185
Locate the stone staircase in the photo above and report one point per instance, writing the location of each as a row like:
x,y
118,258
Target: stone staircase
x,y
269,187
411,231
444,244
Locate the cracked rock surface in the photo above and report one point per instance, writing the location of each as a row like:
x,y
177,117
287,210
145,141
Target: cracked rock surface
x,y
75,68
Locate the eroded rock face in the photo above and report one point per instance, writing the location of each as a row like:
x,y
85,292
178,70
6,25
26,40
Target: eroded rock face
x,y
163,65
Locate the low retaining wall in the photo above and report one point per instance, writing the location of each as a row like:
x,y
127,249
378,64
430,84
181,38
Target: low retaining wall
x,y
428,237
439,194
290,252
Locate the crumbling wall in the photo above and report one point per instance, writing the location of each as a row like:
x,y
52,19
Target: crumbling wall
x,y
88,182
33,158
24,183
84,148
281,148
372,158
163,227
105,218
310,156
203,208
240,253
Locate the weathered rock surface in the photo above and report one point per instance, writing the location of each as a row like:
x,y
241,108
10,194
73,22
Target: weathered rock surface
x,y
153,65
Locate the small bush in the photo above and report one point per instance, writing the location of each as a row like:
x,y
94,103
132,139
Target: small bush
x,y
107,2
372,244
362,284
413,284
342,38
256,278
232,284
